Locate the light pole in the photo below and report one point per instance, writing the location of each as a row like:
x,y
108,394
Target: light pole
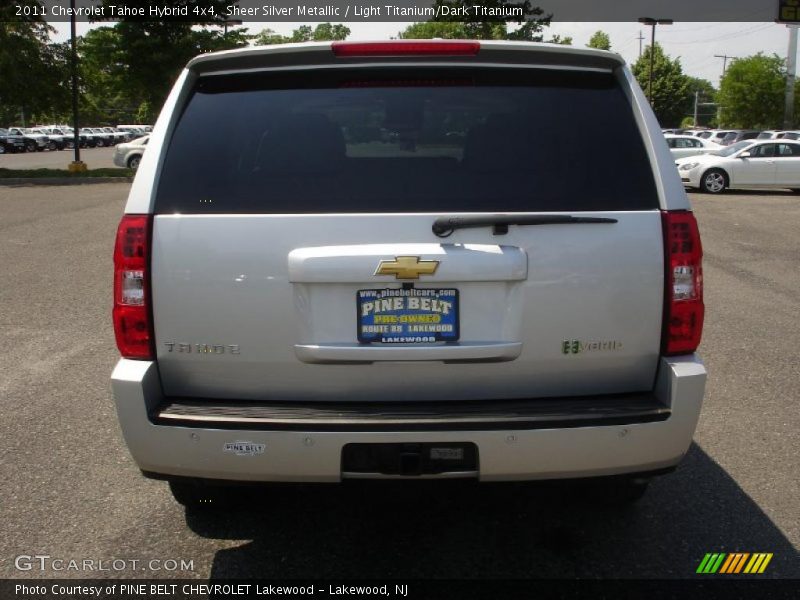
x,y
652,23
76,165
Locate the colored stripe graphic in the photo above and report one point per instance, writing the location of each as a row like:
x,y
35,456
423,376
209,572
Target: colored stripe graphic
x,y
734,563
731,560
758,563
711,563
702,567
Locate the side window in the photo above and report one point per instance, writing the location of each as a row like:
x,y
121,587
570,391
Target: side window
x,y
792,150
763,151
694,143
671,142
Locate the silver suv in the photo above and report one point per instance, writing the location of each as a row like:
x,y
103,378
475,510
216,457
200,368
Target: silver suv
x,y
407,260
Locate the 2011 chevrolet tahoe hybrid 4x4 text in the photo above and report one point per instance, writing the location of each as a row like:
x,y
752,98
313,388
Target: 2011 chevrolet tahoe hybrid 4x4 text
x,y
407,260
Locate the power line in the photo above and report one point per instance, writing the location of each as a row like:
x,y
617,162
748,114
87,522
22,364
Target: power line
x,y
726,36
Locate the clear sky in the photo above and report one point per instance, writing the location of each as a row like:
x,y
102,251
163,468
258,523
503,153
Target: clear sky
x,y
695,43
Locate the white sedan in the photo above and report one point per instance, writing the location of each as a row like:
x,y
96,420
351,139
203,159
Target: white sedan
x,y
130,153
751,163
682,146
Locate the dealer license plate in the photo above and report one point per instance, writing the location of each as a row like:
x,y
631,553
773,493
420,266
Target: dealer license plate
x,y
407,316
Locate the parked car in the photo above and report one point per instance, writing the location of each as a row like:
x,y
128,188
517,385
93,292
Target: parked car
x,y
57,141
103,138
718,135
770,134
756,164
740,136
93,138
137,130
129,154
292,304
83,138
33,141
117,136
10,142
687,145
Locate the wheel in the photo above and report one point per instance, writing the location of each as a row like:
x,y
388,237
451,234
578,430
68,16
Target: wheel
x,y
2,149
194,495
133,162
52,146
100,143
30,146
714,181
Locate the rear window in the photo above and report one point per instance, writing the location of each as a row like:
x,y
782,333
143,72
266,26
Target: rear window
x,y
397,141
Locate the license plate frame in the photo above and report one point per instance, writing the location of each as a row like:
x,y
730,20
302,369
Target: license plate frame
x,y
418,326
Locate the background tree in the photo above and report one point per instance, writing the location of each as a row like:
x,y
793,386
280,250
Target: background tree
x,y
323,32
328,32
452,26
451,30
751,93
33,72
267,37
671,88
139,60
600,40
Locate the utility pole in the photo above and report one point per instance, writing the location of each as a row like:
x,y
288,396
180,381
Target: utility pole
x,y
791,67
640,38
652,23
696,98
724,58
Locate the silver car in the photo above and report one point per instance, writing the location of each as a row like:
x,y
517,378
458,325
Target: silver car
x,y
129,154
411,265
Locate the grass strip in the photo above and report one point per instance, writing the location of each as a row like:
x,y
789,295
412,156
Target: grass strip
x,y
41,173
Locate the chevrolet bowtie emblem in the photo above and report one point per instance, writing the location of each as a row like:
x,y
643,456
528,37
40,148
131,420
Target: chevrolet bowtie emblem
x,y
407,267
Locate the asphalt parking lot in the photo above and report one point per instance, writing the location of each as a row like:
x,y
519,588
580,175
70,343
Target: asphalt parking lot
x,y
71,491
96,158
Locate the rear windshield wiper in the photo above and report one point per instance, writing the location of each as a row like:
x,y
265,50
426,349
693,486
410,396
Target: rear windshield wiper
x,y
445,226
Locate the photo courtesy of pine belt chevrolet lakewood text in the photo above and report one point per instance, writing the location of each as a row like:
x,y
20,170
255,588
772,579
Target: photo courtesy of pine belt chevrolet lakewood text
x,y
395,262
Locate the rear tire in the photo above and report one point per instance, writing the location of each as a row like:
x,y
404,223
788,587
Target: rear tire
x,y
2,149
714,181
133,162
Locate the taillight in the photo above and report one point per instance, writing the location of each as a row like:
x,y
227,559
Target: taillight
x,y
683,304
133,326
405,48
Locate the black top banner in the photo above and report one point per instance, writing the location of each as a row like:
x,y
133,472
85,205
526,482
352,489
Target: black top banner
x,y
353,11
